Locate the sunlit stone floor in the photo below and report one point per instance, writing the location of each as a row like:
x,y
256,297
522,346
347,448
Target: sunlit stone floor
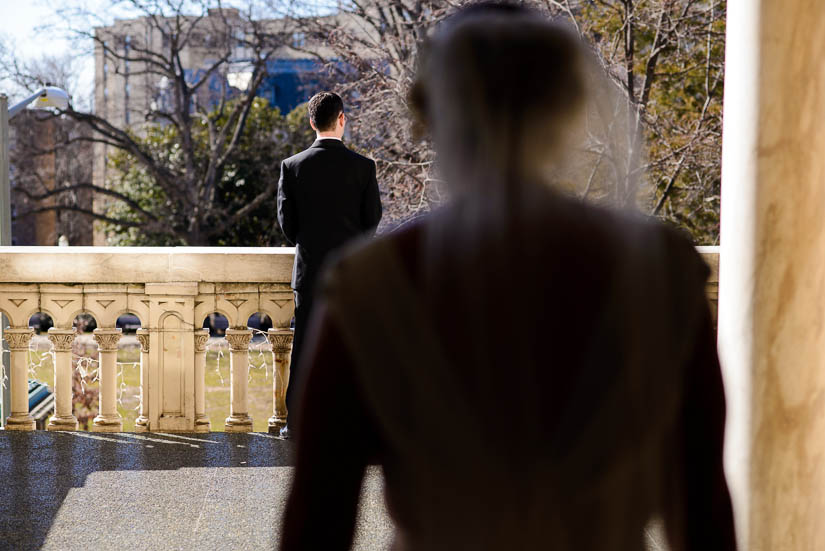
x,y
67,491
157,491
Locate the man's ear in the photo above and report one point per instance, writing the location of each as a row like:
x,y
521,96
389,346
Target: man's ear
x,y
312,125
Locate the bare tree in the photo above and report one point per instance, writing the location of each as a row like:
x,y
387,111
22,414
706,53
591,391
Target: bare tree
x,y
665,56
198,66
371,47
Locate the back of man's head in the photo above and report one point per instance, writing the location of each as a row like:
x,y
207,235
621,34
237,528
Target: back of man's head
x,y
324,108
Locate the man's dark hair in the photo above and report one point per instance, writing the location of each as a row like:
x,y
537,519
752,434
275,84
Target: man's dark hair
x,y
324,108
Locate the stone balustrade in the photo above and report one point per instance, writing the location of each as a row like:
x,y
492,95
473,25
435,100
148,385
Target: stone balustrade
x,y
711,258
171,291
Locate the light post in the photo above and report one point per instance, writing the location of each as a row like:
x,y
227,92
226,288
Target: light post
x,y
45,98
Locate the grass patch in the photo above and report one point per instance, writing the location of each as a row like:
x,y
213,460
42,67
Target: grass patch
x,y
216,381
217,387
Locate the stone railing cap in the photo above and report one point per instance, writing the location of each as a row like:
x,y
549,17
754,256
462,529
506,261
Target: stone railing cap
x,y
145,264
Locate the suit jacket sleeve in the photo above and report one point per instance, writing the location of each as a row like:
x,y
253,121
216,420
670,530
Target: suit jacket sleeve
x,y
371,202
708,521
330,458
703,519
287,215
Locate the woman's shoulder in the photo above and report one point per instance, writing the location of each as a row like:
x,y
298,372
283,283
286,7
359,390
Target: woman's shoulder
x,y
639,236
395,252
401,243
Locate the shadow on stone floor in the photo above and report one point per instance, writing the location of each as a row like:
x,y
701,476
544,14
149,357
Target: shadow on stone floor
x,y
162,491
153,491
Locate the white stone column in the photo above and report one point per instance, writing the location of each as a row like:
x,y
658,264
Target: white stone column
x,y
142,423
239,419
281,342
108,419
18,339
201,420
772,271
63,418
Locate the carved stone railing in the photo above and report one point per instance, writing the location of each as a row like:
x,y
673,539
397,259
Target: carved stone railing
x,y
171,291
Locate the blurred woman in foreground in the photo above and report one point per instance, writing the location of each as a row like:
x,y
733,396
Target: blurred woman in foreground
x,y
531,371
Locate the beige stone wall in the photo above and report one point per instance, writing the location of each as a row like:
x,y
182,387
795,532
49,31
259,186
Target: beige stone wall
x,y
772,284
171,291
108,282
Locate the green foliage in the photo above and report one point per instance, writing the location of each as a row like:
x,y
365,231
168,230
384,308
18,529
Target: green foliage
x,y
268,138
669,59
131,178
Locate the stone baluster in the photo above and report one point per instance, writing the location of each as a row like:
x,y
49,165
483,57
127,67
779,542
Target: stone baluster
x,y
18,339
108,419
281,341
201,420
62,340
239,419
142,422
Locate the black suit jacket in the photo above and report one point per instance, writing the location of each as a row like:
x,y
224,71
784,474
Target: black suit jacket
x,y
327,195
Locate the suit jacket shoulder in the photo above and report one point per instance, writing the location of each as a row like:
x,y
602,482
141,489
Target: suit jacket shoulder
x,y
331,196
360,158
290,162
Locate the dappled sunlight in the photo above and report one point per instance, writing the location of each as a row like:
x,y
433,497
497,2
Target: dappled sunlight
x,y
94,436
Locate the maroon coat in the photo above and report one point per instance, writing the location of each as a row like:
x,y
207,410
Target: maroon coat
x,y
553,383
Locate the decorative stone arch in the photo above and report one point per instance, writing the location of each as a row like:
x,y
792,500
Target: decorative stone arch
x,y
170,313
65,318
139,306
19,306
63,302
261,316
84,313
5,313
42,311
208,304
200,318
239,306
106,306
280,307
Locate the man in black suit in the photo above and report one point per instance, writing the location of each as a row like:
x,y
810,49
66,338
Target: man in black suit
x,y
327,195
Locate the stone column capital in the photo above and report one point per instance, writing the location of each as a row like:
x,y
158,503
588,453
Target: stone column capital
x,y
280,339
18,338
107,339
238,339
62,338
143,339
201,338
